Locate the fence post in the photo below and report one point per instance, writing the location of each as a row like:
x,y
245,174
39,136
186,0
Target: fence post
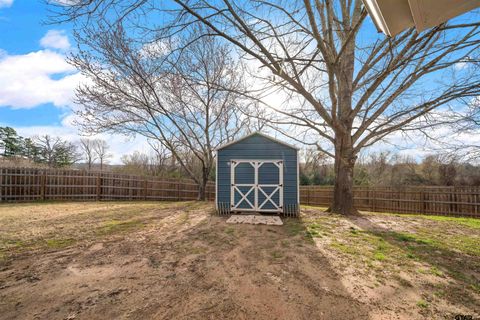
x,y
43,182
99,186
145,184
476,203
374,200
450,200
369,198
178,190
1,184
424,204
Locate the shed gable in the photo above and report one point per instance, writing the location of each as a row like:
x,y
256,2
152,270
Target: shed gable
x,y
257,138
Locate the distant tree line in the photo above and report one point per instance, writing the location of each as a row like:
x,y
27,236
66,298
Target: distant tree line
x,y
51,151
377,169
316,168
388,169
159,163
94,151
46,150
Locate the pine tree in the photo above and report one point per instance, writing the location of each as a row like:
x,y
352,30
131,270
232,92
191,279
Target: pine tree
x,y
11,144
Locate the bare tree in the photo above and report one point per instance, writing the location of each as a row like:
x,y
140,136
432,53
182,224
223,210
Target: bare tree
x,y
137,163
87,147
178,93
100,149
465,125
314,167
56,152
344,86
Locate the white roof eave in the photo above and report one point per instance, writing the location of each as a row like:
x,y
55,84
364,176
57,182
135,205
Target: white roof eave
x,y
394,16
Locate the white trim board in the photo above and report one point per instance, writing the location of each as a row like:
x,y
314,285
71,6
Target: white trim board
x,y
216,181
260,134
256,188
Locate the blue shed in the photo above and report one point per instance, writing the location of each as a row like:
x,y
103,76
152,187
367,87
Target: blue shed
x,y
257,173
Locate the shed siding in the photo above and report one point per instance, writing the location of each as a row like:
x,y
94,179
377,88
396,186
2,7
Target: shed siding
x,y
257,147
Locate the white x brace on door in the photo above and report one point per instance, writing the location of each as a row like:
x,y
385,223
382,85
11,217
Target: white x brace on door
x,y
252,191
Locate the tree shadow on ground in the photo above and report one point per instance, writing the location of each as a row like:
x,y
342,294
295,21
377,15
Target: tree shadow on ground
x,y
261,271
461,267
183,263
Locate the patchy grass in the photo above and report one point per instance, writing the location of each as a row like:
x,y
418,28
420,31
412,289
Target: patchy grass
x,y
435,271
380,256
344,248
441,245
56,225
230,230
444,253
352,241
7,244
116,226
277,254
313,230
424,264
10,246
305,207
422,304
426,250
469,222
475,287
183,218
59,243
294,226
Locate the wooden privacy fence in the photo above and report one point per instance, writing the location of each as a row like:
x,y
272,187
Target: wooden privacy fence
x,y
452,201
29,184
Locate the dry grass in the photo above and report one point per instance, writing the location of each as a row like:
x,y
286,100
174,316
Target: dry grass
x,y
28,227
174,260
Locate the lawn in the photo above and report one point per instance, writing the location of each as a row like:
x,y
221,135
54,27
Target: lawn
x,y
160,260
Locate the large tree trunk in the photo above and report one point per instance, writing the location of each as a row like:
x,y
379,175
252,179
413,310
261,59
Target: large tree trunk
x,y
202,186
345,156
202,191
344,163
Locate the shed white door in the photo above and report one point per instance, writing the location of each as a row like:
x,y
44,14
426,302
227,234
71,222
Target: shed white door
x,y
256,185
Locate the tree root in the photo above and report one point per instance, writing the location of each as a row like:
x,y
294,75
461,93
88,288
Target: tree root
x,y
354,212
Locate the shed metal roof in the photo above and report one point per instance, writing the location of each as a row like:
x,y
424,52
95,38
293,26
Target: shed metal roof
x,y
259,134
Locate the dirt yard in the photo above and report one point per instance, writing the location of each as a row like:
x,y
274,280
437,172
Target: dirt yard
x,y
119,260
